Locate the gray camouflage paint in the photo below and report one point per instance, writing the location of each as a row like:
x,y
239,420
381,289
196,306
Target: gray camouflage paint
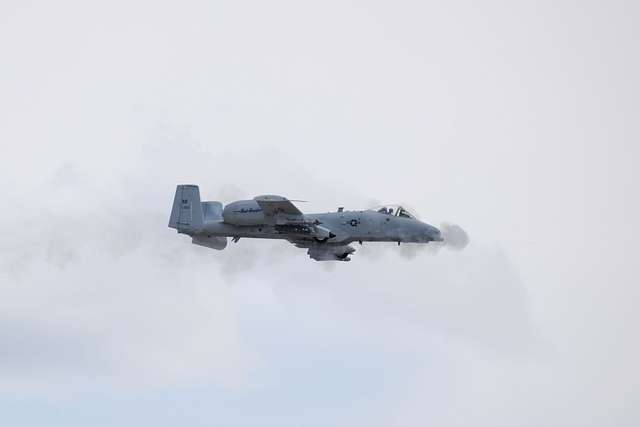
x,y
326,235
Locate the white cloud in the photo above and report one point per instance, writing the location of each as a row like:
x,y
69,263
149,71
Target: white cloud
x,y
516,123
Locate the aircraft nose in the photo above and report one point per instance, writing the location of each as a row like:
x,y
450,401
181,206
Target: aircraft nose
x,y
434,234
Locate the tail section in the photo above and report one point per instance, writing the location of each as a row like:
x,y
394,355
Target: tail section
x,y
186,214
212,211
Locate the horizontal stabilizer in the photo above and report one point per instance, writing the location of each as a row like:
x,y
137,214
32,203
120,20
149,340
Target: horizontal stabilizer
x,y
212,242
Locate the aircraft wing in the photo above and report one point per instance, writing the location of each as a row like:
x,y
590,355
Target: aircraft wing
x,y
273,205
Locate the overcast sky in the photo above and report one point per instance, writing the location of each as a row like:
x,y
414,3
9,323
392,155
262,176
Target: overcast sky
x,y
516,120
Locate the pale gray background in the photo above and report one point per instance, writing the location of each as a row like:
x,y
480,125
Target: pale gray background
x,y
516,120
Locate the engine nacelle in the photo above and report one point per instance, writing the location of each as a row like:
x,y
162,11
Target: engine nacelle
x,y
243,212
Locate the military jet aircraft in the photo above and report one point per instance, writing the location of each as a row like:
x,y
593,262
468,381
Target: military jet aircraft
x,y
326,236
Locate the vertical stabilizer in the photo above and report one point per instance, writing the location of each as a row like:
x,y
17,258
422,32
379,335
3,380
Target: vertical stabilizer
x,y
186,214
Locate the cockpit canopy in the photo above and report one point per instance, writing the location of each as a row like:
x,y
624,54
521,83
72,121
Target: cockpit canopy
x,y
395,210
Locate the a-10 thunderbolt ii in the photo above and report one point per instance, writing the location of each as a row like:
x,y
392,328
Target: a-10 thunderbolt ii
x,y
326,236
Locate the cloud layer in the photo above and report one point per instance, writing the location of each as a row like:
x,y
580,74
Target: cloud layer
x,y
517,124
